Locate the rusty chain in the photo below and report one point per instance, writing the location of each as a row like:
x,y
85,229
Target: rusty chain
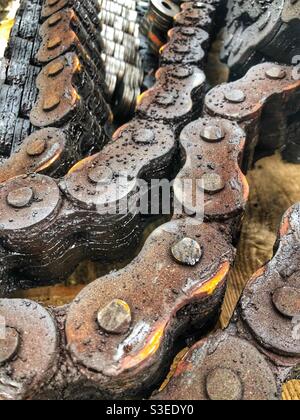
x,y
115,338
261,31
260,349
53,96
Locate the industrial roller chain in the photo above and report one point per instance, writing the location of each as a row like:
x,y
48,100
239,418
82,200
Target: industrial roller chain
x,y
119,334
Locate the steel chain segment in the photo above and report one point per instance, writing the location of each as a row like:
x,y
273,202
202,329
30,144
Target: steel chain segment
x,y
265,103
259,351
29,349
145,148
36,57
261,31
136,334
43,201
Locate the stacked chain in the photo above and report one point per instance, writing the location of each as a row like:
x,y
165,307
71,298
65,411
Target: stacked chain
x,y
260,349
53,107
124,69
261,30
157,21
117,338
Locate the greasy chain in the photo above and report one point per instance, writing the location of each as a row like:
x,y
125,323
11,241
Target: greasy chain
x,y
53,94
117,337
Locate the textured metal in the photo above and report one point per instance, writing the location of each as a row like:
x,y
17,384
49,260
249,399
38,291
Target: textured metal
x,y
118,337
260,349
157,22
123,62
54,79
259,31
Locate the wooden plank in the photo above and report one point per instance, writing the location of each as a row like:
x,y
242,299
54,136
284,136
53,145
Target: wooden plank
x,y
274,186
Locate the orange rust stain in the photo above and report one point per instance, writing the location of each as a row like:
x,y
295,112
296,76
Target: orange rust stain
x,y
49,162
155,39
140,97
246,186
124,305
292,86
156,337
118,131
81,164
256,276
260,272
210,286
148,350
285,226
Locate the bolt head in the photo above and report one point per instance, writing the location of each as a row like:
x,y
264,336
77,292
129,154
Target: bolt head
x,y
166,99
9,345
224,385
212,133
212,183
115,318
287,301
36,147
276,73
20,197
235,96
100,175
187,252
144,136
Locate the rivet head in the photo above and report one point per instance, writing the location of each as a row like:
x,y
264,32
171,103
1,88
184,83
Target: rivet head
x,y
235,96
54,43
144,136
115,318
166,99
20,197
181,48
100,175
212,133
287,301
55,68
188,31
55,19
276,73
224,385
212,183
182,72
8,345
51,102
187,252
36,147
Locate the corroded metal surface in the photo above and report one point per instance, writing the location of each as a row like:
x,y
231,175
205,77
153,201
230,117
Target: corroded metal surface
x,y
260,349
117,338
261,31
53,77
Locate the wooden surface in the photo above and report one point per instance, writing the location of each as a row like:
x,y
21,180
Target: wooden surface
x,y
274,186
